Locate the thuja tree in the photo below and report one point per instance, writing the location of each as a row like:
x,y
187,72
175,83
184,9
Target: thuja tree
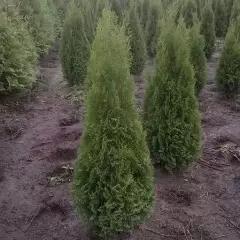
x,y
235,10
113,185
220,18
144,13
189,12
229,6
56,18
74,47
171,114
154,14
199,7
40,22
89,16
197,56
137,43
17,51
228,73
208,29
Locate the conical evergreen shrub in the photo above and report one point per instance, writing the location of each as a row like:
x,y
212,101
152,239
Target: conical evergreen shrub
x,y
235,11
17,51
40,22
154,14
197,56
56,18
220,18
228,73
189,12
89,16
74,48
144,13
113,185
171,114
199,4
117,8
208,29
137,43
229,6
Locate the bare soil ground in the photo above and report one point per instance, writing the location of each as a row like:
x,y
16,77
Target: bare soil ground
x,y
39,137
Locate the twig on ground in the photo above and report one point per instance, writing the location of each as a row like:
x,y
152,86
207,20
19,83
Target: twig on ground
x,y
39,210
16,134
156,232
204,164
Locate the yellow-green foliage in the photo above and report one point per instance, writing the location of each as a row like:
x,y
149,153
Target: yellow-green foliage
x,y
197,56
228,74
171,114
208,29
74,47
17,51
40,22
113,187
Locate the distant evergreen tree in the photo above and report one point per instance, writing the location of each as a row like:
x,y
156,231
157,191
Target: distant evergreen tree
x,y
154,14
228,73
113,186
89,16
199,8
117,8
229,6
100,5
197,56
235,10
144,13
40,22
171,114
137,43
56,18
18,55
62,7
214,4
220,18
74,47
208,29
189,12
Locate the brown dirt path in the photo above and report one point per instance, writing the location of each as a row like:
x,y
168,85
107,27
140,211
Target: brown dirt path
x,y
39,137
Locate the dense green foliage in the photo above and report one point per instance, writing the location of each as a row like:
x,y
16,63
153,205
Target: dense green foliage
x,y
235,10
189,12
137,43
144,13
113,185
197,56
228,74
171,114
220,18
17,51
154,14
75,48
40,22
229,6
208,29
56,18
61,9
